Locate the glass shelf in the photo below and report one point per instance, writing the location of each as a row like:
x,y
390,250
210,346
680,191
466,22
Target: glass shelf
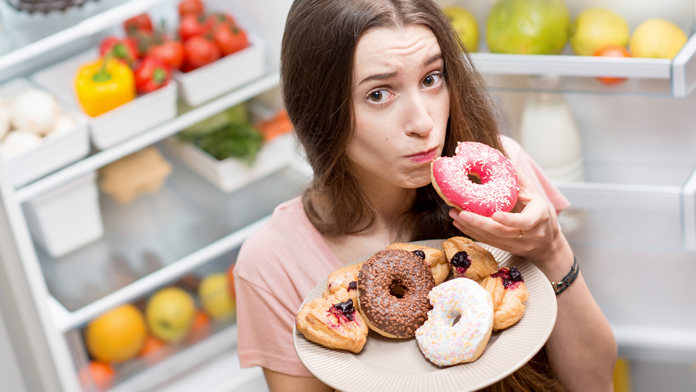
x,y
157,230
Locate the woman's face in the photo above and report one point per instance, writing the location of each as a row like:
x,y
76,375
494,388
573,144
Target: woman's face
x,y
401,106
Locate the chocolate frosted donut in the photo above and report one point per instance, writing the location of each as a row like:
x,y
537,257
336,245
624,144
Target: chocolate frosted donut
x,y
393,287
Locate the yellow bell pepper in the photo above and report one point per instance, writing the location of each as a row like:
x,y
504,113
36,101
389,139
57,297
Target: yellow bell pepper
x,y
104,85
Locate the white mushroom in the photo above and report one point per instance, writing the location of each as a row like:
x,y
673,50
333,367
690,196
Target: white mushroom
x,y
19,141
63,123
34,110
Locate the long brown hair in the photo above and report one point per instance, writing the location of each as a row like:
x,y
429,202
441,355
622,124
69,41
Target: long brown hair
x,y
317,60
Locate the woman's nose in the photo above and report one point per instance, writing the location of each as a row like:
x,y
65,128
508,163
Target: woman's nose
x,y
419,121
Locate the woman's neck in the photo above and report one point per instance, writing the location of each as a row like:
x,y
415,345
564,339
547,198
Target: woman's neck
x,y
389,201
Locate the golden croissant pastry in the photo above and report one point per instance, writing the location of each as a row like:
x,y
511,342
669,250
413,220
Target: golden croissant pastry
x,y
333,324
342,284
468,259
508,292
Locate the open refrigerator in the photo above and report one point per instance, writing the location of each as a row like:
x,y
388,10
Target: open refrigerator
x,y
632,224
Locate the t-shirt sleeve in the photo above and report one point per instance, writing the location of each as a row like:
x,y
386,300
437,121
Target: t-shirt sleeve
x,y
265,330
529,167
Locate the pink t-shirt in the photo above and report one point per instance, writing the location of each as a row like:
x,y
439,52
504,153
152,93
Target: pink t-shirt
x,y
280,264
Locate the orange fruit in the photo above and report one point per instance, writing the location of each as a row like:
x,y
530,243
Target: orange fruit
x,y
200,327
151,346
116,336
230,281
612,51
100,373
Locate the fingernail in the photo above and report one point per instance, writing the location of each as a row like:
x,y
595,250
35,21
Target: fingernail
x,y
453,214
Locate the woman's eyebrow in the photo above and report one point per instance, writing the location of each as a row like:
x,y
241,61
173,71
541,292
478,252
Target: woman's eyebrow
x,y
378,77
432,59
388,75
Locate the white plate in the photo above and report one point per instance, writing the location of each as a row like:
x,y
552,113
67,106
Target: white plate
x,y
398,365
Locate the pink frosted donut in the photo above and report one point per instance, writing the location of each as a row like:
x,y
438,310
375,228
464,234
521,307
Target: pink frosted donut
x,y
497,190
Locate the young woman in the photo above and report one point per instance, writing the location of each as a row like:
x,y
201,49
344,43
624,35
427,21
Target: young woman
x,y
376,89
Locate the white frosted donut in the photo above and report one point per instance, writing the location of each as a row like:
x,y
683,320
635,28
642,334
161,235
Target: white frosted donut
x,y
445,344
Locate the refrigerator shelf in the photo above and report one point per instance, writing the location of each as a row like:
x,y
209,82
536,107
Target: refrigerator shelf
x,y
84,29
157,239
646,76
630,204
147,138
186,359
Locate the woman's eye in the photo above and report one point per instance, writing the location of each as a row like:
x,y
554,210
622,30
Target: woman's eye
x,y
379,96
431,80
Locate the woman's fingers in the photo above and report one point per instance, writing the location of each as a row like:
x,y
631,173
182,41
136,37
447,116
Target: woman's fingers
x,y
535,212
482,223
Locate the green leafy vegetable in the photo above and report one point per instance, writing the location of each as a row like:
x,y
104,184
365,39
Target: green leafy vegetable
x,y
241,141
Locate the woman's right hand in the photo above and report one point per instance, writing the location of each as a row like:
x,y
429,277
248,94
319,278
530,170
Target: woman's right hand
x,y
532,233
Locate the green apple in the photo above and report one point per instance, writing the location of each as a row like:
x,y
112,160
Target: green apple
x,y
170,314
528,26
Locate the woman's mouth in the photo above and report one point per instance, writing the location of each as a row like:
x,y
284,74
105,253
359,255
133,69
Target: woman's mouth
x,y
425,156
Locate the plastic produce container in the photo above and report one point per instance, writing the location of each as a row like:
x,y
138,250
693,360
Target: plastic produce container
x,y
56,149
121,123
223,75
231,174
66,218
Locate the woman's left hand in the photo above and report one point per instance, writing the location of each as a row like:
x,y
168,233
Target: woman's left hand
x,y
532,233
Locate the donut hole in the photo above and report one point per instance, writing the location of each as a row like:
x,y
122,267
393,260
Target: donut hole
x,y
397,289
456,319
475,178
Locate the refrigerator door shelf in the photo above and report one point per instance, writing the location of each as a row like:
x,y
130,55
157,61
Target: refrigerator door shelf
x,y
622,208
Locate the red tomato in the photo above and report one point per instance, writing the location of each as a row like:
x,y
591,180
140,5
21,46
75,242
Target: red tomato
x,y
151,346
151,75
217,18
171,52
100,373
191,7
199,52
192,25
141,22
612,51
122,49
230,39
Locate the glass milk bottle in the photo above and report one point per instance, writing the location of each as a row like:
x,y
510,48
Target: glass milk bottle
x,y
549,134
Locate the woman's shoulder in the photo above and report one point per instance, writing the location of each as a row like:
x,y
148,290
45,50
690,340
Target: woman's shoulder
x,y
287,245
511,147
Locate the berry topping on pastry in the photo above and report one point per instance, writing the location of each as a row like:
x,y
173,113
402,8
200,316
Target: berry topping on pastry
x,y
510,277
419,253
461,261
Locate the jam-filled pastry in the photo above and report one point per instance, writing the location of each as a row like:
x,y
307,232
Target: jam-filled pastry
x,y
468,259
435,258
333,324
508,292
342,284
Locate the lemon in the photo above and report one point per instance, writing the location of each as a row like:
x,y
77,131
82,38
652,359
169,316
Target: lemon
x,y
215,296
464,23
117,335
596,28
657,38
170,314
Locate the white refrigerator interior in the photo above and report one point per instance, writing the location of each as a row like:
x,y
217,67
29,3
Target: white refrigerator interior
x,y
629,171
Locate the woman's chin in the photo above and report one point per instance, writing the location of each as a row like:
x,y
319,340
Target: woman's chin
x,y
418,181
